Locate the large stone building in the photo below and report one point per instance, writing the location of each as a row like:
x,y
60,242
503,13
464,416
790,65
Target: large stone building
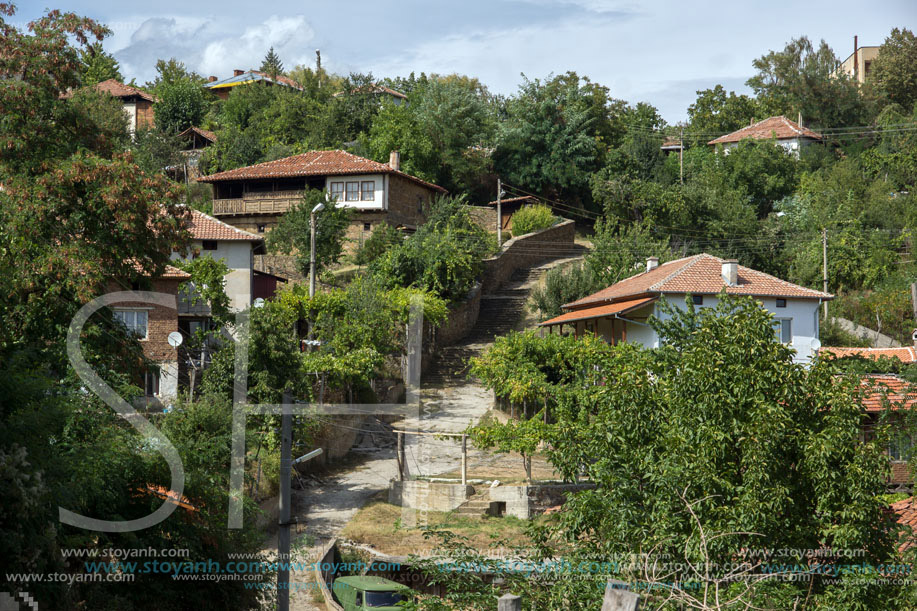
x,y
254,198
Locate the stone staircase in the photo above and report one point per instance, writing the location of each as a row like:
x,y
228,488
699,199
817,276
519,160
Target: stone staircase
x,y
477,504
500,313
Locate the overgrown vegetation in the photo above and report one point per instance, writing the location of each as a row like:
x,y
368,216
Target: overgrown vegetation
x,y
533,218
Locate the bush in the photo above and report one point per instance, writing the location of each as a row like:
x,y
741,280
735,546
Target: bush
x,y
382,239
563,285
532,218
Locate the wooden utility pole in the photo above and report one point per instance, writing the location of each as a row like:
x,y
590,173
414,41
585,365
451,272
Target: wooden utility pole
x,y
681,156
464,460
400,457
824,265
914,298
499,213
283,532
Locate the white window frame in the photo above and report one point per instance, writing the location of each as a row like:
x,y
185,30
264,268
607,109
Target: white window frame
x,y
784,325
128,317
355,191
370,192
337,196
151,382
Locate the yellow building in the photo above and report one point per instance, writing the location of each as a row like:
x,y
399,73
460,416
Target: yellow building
x,y
857,66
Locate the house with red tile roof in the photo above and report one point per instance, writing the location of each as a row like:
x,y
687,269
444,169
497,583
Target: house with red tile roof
x,y
880,393
907,354
254,197
620,312
786,133
137,103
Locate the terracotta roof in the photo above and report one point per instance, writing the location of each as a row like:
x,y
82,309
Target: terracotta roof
x,y
169,272
314,163
882,389
120,90
205,227
671,144
203,133
514,200
701,274
620,307
905,355
780,128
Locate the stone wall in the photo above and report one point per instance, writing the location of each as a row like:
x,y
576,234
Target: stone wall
x,y
335,438
279,265
485,216
462,318
527,501
430,496
407,201
524,251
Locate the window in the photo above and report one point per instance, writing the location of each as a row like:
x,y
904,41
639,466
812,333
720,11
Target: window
x,y
784,327
209,244
151,383
900,448
261,228
697,299
134,320
337,191
367,226
368,190
781,303
359,599
383,599
353,191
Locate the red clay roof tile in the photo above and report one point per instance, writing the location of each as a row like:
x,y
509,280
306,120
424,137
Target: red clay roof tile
x,y
699,274
780,128
881,390
120,90
314,163
205,227
906,355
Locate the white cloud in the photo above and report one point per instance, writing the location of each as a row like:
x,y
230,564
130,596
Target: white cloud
x,y
291,38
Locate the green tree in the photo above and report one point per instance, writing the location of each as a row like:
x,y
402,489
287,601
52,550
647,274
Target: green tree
x,y
620,251
181,105
293,232
764,172
561,286
98,66
271,64
894,72
803,79
715,113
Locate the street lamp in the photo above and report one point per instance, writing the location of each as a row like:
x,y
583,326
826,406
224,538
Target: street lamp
x,y
318,208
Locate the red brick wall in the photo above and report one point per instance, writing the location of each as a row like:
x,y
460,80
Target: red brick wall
x,y
160,320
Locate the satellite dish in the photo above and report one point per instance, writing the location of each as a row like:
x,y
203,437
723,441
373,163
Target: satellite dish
x,y
815,345
259,302
175,339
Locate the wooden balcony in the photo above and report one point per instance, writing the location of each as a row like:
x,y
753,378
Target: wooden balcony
x,y
274,202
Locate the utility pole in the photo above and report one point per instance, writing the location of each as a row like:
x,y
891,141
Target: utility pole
x,y
318,208
681,156
499,213
283,532
824,265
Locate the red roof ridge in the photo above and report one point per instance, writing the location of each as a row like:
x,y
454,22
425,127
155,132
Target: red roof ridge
x,y
223,231
795,129
689,263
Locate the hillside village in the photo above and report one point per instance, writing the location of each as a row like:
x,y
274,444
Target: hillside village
x,y
292,339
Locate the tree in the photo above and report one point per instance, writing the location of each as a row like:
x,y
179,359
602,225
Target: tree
x,y
181,105
293,232
271,65
894,71
803,79
715,113
620,251
765,172
98,66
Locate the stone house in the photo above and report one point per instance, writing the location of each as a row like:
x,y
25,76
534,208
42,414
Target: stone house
x,y
254,198
620,312
138,104
792,136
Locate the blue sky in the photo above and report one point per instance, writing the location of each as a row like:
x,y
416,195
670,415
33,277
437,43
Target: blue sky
x,y
659,52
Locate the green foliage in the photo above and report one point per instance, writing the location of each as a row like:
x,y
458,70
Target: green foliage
x,y
182,104
803,79
764,172
443,257
271,64
98,66
563,285
715,113
384,237
533,218
293,232
155,150
894,71
620,251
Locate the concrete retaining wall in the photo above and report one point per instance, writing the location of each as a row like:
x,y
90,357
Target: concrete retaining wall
x,y
419,494
530,500
324,576
525,251
463,316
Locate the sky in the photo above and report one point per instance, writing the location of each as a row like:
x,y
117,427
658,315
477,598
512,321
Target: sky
x,y
659,52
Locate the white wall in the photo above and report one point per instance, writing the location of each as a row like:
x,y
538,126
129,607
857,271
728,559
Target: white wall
x,y
378,203
792,145
237,255
802,312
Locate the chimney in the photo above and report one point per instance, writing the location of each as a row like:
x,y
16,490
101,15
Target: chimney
x,y
799,119
211,79
856,67
394,160
652,263
730,272
238,72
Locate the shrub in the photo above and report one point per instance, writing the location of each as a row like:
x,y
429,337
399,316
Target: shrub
x,y
382,239
563,285
532,218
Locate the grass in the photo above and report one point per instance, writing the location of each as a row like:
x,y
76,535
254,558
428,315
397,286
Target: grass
x,y
379,525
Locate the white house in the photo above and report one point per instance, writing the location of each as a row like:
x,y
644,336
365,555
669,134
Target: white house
x,y
790,135
216,239
619,313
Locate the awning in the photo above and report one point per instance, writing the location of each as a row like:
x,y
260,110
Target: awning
x,y
610,309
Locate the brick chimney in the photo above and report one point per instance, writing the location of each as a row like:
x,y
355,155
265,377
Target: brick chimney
x,y
238,72
652,263
394,161
730,272
211,79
